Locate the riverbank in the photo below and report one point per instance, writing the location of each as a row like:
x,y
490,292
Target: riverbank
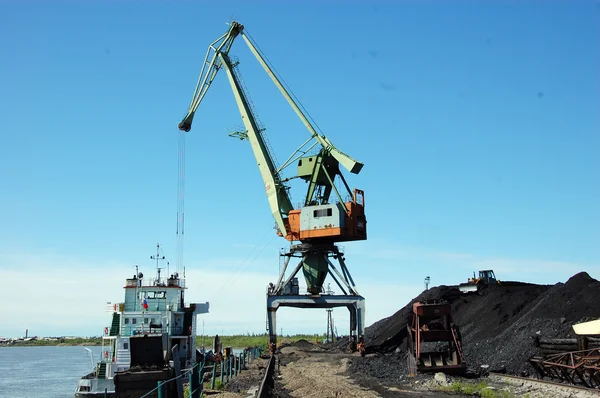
x,y
260,341
52,341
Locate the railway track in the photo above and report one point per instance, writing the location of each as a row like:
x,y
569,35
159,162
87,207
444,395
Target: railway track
x,y
545,388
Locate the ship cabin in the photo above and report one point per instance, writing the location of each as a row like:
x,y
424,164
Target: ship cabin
x,y
153,307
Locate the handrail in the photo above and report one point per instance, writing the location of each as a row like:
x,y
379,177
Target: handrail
x,y
268,382
230,367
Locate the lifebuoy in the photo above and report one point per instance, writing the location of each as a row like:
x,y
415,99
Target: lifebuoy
x,y
105,354
105,330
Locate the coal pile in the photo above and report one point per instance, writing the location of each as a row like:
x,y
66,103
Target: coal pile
x,y
498,324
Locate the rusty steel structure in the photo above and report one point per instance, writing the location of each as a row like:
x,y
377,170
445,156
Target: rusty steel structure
x,y
575,367
434,341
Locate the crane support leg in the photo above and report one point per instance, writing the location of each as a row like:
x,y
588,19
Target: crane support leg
x,y
272,322
354,303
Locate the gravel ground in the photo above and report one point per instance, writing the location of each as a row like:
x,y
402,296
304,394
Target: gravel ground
x,y
316,371
247,380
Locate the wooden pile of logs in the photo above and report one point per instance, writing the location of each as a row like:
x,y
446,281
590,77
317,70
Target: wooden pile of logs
x,y
556,346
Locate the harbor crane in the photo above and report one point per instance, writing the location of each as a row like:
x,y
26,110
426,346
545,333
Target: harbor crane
x,y
324,218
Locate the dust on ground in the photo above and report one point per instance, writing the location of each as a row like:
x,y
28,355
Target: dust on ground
x,y
309,370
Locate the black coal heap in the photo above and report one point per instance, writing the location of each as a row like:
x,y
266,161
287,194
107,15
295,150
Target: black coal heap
x,y
498,324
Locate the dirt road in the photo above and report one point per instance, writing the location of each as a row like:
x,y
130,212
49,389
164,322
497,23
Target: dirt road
x,y
307,370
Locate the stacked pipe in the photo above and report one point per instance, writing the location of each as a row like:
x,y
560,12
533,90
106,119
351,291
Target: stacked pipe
x,y
556,346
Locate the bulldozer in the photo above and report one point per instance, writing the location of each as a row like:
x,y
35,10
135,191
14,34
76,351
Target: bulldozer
x,y
486,278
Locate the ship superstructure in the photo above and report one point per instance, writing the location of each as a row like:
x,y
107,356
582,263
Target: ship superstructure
x,y
154,312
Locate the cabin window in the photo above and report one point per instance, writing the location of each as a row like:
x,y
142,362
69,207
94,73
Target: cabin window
x,y
146,320
322,213
125,346
134,320
152,295
126,321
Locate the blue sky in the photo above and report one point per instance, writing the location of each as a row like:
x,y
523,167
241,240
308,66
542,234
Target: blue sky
x,y
477,123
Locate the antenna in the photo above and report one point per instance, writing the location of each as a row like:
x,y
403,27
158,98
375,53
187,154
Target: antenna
x,y
157,257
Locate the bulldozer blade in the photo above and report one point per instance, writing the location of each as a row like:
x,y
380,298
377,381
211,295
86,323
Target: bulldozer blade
x,y
467,288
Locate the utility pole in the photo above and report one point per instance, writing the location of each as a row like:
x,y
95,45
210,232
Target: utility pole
x,y
329,331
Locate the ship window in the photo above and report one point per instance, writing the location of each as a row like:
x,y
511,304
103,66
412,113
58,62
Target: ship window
x,y
154,295
125,346
133,320
322,213
146,320
126,321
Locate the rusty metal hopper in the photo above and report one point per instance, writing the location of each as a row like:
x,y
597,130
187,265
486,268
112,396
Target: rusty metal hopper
x,y
434,342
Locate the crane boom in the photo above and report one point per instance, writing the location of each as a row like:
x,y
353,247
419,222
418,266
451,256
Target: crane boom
x,y
220,46
345,160
277,195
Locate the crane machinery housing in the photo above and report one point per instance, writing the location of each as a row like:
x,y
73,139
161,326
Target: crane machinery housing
x,y
324,218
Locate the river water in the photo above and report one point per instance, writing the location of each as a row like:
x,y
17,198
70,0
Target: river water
x,y
46,372
43,372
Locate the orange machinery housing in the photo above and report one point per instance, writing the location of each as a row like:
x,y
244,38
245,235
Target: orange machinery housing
x,y
336,222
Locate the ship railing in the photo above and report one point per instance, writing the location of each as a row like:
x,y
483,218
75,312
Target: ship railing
x,y
143,329
154,305
218,366
168,281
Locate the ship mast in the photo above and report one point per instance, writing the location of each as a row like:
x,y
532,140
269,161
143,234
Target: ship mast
x,y
158,257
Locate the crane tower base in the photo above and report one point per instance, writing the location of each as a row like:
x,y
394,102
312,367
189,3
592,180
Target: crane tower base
x,y
354,303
